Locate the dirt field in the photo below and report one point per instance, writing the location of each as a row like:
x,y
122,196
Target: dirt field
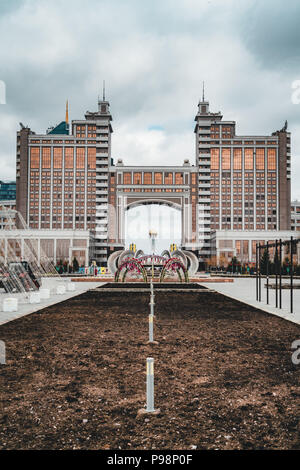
x,y
75,375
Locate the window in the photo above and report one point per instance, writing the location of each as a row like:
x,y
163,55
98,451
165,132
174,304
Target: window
x,y
260,159
147,178
34,157
178,178
137,178
80,157
215,159
127,178
91,158
237,159
91,131
46,157
80,131
248,159
69,157
226,159
157,178
271,159
168,178
57,157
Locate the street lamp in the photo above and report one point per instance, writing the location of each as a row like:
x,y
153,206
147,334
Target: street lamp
x,y
152,236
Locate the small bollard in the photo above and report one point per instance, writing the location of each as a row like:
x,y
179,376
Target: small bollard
x,y
10,304
152,306
150,385
151,328
149,390
45,294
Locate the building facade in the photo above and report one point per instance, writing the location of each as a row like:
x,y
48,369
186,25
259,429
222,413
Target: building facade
x,y
130,186
7,214
244,181
226,244
41,246
66,180
295,216
62,176
7,191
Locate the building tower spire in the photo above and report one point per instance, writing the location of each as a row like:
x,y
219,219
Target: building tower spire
x,y
203,92
103,90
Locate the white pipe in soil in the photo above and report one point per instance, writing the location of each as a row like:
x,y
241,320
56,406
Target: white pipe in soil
x,y
151,317
152,305
150,385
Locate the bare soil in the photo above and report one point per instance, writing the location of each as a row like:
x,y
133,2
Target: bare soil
x,y
75,375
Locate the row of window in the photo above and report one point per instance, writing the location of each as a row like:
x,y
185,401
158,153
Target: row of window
x,y
43,158
157,178
224,157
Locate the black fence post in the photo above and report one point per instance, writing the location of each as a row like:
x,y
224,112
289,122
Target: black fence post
x,y
259,275
267,273
256,272
280,273
276,273
291,276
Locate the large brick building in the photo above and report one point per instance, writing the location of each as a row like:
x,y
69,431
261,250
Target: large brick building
x,y
66,179
244,181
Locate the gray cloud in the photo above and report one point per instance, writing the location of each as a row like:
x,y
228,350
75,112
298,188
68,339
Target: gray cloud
x,y
271,31
153,56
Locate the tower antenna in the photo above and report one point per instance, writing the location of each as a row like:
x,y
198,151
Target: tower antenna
x,y
203,93
103,90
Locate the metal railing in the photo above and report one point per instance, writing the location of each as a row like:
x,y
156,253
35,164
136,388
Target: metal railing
x,y
278,268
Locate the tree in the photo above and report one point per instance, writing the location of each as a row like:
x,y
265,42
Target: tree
x,y
59,267
286,265
275,266
222,261
65,266
265,262
234,265
211,262
75,265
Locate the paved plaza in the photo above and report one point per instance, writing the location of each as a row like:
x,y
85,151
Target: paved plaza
x,y
245,291
25,308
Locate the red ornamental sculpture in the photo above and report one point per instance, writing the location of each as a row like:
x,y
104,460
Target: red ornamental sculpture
x,y
130,265
174,264
170,265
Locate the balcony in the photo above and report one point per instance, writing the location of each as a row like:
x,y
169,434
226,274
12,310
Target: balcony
x,y
102,177
100,191
203,178
204,193
101,236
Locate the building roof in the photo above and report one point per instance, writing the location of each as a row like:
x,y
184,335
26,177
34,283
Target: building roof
x,y
62,129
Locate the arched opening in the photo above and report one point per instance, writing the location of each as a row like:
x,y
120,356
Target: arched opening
x,y
163,217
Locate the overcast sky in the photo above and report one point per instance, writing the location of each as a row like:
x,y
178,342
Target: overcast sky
x,y
153,56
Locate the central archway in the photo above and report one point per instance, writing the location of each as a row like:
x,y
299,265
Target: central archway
x,y
165,218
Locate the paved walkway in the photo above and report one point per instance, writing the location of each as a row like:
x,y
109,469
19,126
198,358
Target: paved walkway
x,y
245,291
25,308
